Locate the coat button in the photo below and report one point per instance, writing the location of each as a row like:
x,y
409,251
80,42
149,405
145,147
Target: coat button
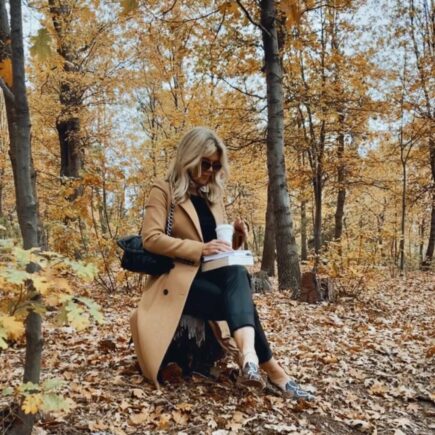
x,y
165,291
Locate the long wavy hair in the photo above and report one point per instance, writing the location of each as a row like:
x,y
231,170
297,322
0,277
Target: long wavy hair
x,y
197,143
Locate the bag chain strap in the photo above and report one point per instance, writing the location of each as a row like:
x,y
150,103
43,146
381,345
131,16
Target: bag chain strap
x,y
170,220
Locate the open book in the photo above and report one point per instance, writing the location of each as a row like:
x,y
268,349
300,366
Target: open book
x,y
243,258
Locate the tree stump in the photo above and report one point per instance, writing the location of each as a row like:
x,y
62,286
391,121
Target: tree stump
x,y
316,289
260,282
194,347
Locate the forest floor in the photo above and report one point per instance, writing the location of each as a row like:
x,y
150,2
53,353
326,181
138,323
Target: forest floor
x,y
369,358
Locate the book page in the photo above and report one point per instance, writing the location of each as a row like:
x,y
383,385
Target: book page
x,y
239,253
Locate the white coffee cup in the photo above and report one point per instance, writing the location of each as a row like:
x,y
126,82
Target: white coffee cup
x,y
225,232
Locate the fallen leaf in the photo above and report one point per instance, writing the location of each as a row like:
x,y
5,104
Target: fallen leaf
x,y
361,425
138,419
97,425
180,418
137,392
378,389
163,422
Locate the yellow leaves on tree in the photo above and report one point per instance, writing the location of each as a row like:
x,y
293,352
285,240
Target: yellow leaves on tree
x,y
6,71
32,403
292,10
231,8
41,45
6,64
10,328
40,397
128,6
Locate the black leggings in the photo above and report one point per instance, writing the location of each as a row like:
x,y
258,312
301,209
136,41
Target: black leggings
x,y
225,294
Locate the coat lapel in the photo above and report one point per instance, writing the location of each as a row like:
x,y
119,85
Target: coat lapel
x,y
188,207
215,208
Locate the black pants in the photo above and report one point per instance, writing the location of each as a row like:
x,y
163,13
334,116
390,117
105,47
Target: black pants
x,y
225,294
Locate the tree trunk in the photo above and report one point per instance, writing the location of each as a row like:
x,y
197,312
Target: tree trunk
x,y
268,257
287,253
402,220
1,192
431,243
24,176
19,135
317,182
340,109
70,97
71,160
3,142
304,249
341,195
421,242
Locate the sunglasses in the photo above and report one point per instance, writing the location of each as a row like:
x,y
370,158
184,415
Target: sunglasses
x,y
206,165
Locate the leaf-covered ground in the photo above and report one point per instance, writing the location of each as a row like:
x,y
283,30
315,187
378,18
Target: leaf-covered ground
x,y
369,357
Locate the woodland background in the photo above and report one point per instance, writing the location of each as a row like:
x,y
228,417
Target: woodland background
x,y
113,85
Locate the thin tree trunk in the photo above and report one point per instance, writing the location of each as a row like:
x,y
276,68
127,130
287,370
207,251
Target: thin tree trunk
x,y
421,242
402,220
317,211
268,257
287,253
1,192
304,249
341,195
20,153
71,159
431,243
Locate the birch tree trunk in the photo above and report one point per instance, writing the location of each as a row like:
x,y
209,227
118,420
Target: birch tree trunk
x,y
20,153
287,253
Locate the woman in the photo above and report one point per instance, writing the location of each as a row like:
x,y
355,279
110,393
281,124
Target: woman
x,y
195,183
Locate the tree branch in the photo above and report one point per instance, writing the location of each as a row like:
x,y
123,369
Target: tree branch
x,y
236,88
248,16
7,92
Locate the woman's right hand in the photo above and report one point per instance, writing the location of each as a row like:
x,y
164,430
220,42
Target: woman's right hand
x,y
215,246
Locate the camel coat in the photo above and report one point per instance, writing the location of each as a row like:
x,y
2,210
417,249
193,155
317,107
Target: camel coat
x,y
154,322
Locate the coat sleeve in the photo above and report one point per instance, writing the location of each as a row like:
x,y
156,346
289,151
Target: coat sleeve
x,y
153,234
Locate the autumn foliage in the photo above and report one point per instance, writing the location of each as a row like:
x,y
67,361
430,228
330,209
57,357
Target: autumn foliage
x,y
112,86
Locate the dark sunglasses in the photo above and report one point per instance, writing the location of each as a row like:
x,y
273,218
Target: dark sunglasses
x,y
206,165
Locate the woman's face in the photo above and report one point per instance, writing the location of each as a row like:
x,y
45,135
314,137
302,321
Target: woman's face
x,y
209,165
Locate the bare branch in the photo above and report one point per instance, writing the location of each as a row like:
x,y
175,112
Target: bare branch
x,y
236,88
7,92
248,16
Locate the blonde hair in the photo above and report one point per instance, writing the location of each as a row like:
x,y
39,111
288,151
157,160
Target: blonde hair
x,y
197,143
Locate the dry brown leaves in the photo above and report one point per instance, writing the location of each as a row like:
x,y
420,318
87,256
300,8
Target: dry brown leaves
x,y
370,360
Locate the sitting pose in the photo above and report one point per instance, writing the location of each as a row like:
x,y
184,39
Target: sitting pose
x,y
195,184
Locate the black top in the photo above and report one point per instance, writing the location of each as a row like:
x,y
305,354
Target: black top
x,y
206,218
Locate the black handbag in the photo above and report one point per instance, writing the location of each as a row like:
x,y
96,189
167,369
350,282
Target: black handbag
x,y
137,259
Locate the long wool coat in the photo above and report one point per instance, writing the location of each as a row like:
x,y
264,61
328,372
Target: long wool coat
x,y
154,322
